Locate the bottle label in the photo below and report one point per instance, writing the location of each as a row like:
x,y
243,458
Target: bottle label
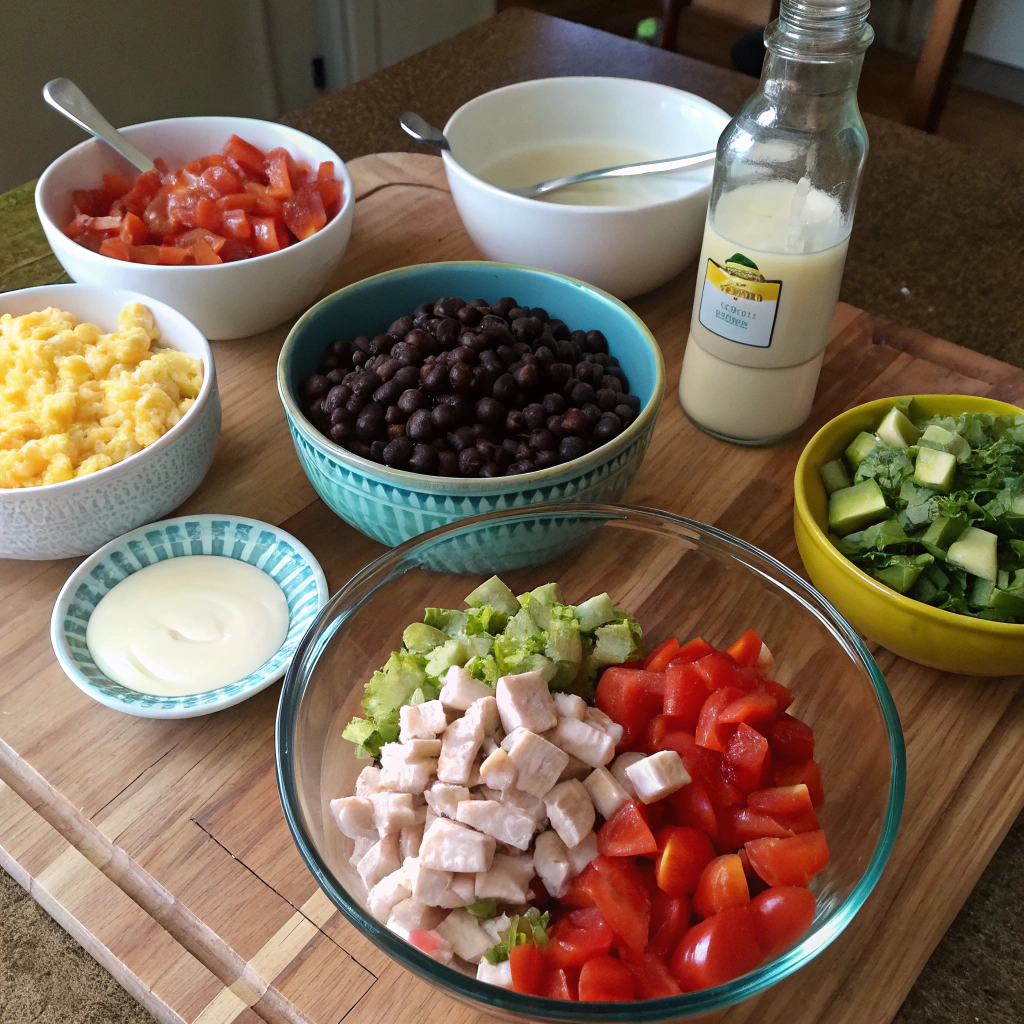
x,y
737,303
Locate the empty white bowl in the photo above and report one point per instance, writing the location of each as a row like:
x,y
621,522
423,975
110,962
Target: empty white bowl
x,y
627,250
78,516
226,300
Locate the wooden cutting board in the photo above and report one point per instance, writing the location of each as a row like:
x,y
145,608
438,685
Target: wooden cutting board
x,y
162,848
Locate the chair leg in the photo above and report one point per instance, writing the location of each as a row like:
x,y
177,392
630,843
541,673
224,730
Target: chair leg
x,y
942,49
670,21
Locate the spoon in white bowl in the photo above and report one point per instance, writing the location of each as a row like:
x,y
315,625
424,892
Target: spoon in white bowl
x,y
63,95
415,126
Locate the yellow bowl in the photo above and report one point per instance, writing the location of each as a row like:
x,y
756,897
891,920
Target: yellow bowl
x,y
909,628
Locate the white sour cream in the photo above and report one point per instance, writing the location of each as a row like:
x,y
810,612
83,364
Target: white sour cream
x,y
187,625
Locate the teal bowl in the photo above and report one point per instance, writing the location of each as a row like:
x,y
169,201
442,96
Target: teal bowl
x,y
393,506
289,563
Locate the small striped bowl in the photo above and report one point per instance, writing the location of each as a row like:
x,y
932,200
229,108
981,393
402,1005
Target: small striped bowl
x,y
290,564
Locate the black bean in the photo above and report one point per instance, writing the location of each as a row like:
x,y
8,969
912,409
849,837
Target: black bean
x,y
328,363
506,354
591,412
489,469
633,401
574,422
503,305
337,376
423,459
387,394
411,400
469,315
394,430
381,344
527,377
545,357
620,373
554,403
400,327
358,448
459,403
316,385
435,380
398,452
523,451
519,466
482,432
420,426
596,342
342,348
625,414
440,444
406,354
554,424
463,355
387,368
491,412
490,361
515,422
377,450
408,377
581,394
445,417
526,329
559,330
607,427
543,440
337,396
571,448
356,404
505,388
342,424
605,399
559,374
370,422
448,306
361,343
447,332
535,415
464,437
545,460
470,462
394,414
448,464
424,341
569,385
424,309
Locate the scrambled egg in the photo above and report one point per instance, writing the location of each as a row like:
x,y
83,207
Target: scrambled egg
x,y
74,400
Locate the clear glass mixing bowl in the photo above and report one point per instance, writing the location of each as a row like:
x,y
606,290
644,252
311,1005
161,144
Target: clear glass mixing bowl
x,y
679,578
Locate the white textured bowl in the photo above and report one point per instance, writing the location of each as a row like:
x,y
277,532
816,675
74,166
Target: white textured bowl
x,y
228,300
80,515
626,250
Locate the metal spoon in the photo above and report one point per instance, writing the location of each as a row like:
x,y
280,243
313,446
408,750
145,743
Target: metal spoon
x,y
62,94
415,126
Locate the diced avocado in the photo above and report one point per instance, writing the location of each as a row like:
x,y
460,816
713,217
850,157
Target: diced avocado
x,y
975,551
595,612
980,592
905,404
936,576
855,507
563,641
896,430
1006,603
1002,579
834,476
496,594
1018,580
1017,504
859,448
613,643
548,595
450,620
420,637
945,441
1018,546
942,532
902,576
934,469
440,659
880,537
924,590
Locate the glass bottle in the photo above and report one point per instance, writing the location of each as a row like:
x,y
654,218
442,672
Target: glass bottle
x,y
782,203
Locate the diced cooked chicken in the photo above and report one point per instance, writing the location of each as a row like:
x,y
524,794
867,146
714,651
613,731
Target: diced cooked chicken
x,y
532,805
606,793
443,798
424,721
538,762
394,811
354,817
506,824
495,974
408,767
570,705
597,718
460,689
571,812
657,776
510,738
525,701
618,769
583,854
428,885
379,861
388,893
463,887
360,848
552,864
463,932
489,746
449,846
485,711
411,914
495,926
368,781
507,879
459,748
583,740
575,769
498,771
409,840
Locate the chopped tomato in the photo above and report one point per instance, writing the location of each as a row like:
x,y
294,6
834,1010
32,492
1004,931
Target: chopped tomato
x,y
754,708
116,248
718,670
659,727
755,883
781,915
142,192
670,917
330,193
630,697
739,825
792,861
781,799
617,889
117,185
704,766
747,649
807,773
235,224
133,229
710,732
207,215
90,202
245,155
684,853
304,212
203,254
106,224
605,980
578,937
658,659
325,172
279,182
791,740
722,885
651,978
78,224
189,238
236,249
748,759
238,201
558,985
685,694
220,181
783,697
528,969
626,834
717,950
692,651
268,235
692,806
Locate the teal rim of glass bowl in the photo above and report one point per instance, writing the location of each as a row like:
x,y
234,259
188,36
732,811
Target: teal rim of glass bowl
x,y
460,485
287,561
688,1004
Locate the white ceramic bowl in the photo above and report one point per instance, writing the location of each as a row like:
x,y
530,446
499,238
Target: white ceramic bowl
x,y
227,300
80,515
289,563
627,250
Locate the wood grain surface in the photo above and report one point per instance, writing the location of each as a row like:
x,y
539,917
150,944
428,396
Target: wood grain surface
x,y
162,848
